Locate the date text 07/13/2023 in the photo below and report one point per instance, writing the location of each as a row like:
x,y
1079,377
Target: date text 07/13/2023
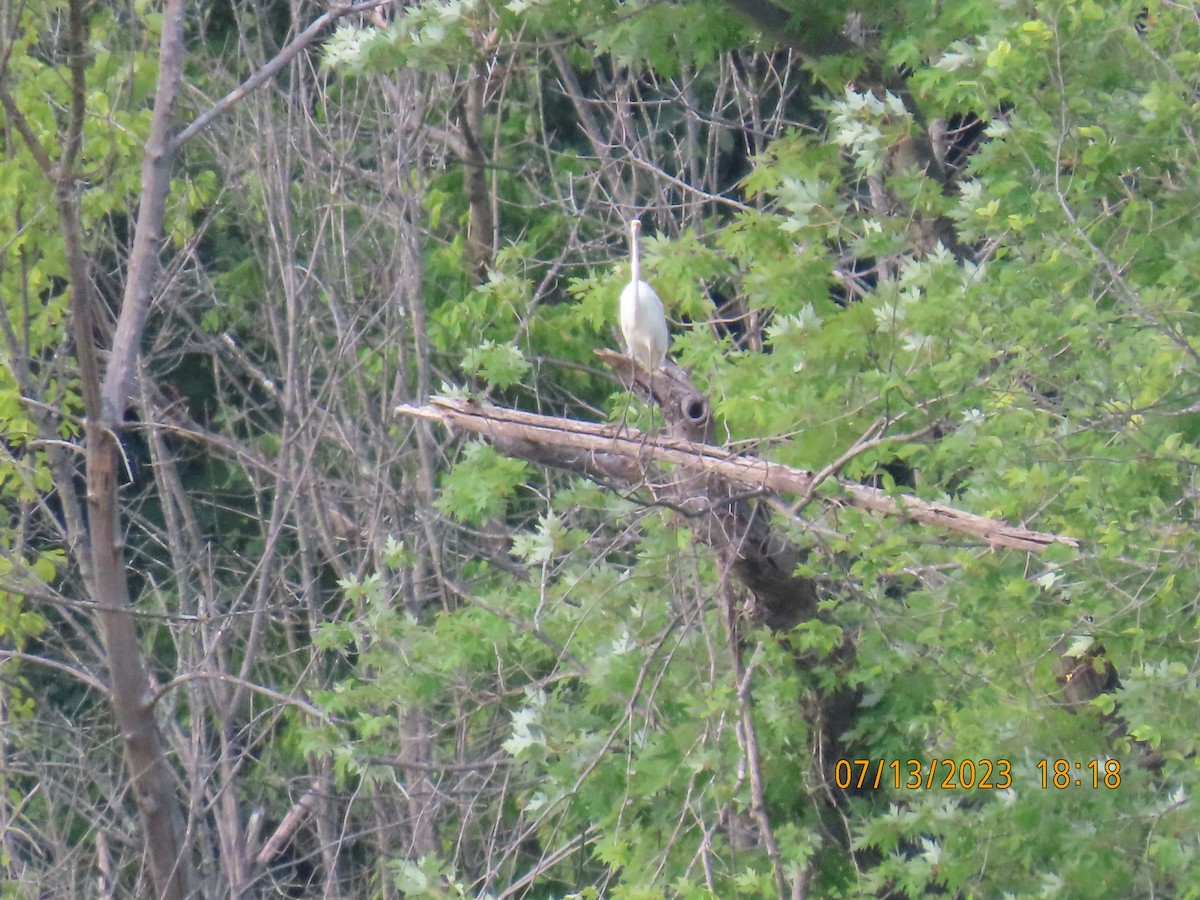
x,y
971,774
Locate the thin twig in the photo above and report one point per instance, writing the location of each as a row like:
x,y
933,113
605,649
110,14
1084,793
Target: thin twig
x,y
226,678
271,69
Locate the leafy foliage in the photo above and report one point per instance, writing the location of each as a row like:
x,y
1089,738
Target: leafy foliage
x,y
956,253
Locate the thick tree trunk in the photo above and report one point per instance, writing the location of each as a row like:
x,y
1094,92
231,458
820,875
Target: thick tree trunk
x,y
130,691
103,557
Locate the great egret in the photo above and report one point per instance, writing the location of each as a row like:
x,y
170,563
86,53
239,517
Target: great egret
x,y
642,319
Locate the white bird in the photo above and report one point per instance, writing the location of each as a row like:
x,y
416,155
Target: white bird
x,y
643,321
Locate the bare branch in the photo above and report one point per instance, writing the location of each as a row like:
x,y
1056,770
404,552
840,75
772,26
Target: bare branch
x,y
143,258
271,69
79,674
226,678
36,150
295,817
747,737
748,472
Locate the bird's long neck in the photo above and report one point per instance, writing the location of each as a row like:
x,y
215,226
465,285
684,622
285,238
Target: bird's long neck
x,y
635,265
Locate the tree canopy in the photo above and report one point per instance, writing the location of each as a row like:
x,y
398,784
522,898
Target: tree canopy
x,y
261,635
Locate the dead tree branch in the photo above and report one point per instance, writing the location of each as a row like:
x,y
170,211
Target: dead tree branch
x,y
295,817
710,485
592,447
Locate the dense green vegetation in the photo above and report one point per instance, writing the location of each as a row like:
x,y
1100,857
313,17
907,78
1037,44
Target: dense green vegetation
x,y
950,249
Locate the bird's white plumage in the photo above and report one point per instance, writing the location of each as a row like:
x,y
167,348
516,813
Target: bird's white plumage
x,y
643,321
